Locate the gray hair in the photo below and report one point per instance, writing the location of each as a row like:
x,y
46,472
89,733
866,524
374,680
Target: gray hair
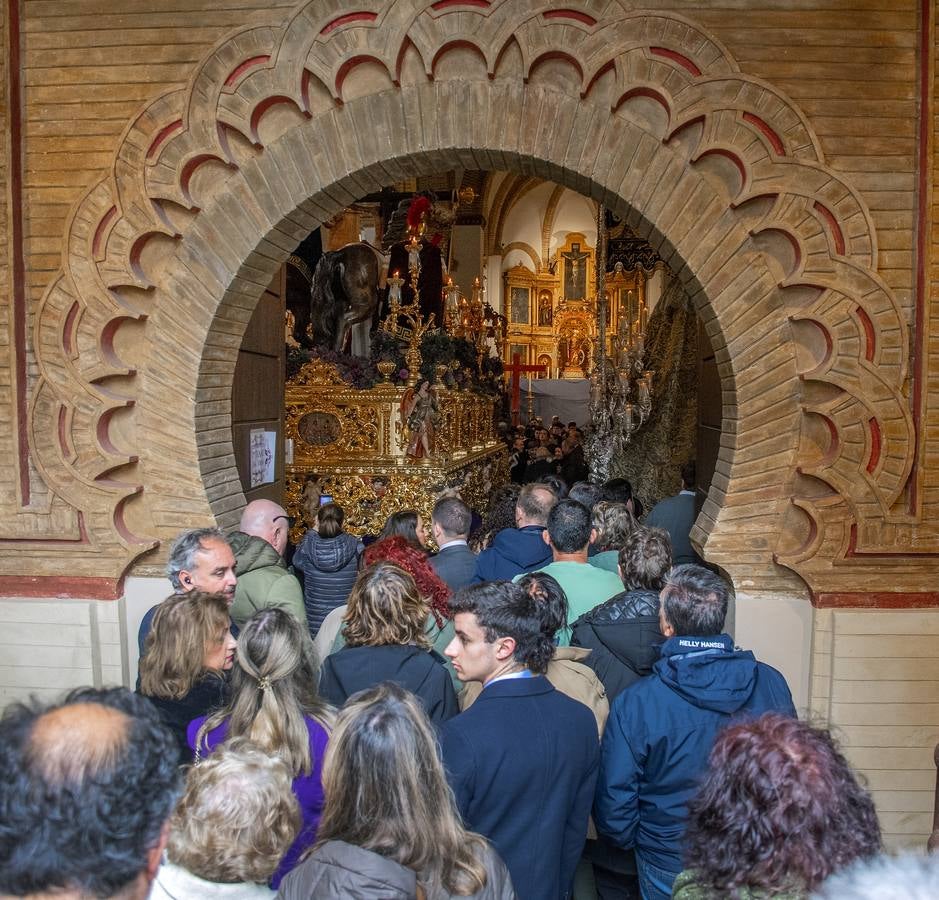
x,y
906,877
183,551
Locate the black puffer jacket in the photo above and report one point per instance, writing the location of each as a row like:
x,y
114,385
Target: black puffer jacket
x,y
624,635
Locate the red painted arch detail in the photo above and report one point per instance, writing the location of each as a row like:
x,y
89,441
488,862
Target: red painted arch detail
x,y
601,71
810,538
348,19
452,45
834,440
676,57
68,330
186,177
556,54
63,432
770,134
161,136
574,14
791,238
120,524
728,154
874,427
350,64
107,341
837,235
649,92
258,112
102,431
870,336
240,69
98,239
450,4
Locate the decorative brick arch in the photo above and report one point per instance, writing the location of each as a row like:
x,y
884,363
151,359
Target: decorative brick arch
x,y
283,124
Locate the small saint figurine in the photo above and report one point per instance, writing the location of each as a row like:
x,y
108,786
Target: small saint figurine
x,y
290,324
310,499
420,412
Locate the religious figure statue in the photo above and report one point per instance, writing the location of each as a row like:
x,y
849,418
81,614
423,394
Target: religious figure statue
x,y
544,310
344,296
310,499
575,273
290,324
420,412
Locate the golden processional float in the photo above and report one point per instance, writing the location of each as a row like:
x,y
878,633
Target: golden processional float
x,y
396,446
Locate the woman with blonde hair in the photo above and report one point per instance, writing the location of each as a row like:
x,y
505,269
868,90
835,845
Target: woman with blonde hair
x,y
275,705
385,641
233,824
390,827
187,655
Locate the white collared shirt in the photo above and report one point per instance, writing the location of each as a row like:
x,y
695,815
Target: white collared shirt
x,y
454,543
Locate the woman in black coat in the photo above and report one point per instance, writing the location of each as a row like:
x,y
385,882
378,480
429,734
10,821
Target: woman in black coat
x,y
385,641
187,657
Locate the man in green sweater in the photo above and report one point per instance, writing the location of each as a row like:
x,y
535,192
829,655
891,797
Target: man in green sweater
x,y
568,535
263,579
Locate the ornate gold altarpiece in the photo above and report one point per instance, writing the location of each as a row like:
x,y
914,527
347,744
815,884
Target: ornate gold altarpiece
x,y
349,437
552,315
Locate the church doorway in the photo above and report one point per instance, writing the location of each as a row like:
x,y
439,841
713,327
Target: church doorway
x,y
478,236
285,124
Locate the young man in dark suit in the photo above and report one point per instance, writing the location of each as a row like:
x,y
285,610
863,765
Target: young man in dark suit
x,y
450,523
522,760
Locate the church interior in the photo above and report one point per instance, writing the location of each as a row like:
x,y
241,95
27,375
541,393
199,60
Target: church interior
x,y
739,200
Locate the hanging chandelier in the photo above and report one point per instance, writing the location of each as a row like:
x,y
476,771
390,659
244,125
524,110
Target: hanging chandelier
x,y
620,383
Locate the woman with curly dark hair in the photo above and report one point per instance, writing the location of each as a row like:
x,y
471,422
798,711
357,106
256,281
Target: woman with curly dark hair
x,y
501,514
778,812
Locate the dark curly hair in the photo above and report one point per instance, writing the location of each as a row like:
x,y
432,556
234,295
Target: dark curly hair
x,y
553,605
501,514
413,560
82,817
779,809
503,609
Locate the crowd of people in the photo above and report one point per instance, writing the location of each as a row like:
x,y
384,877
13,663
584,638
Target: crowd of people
x,y
546,706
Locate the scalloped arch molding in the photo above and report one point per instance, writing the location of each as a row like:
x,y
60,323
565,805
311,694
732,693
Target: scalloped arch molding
x,y
284,123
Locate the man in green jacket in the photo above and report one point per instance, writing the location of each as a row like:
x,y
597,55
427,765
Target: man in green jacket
x,y
263,579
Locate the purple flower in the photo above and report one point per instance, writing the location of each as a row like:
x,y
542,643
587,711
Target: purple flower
x,y
403,374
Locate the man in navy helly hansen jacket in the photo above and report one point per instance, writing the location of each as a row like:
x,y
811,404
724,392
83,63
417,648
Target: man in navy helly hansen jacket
x,y
661,729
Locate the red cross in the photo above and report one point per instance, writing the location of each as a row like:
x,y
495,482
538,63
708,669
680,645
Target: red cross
x,y
515,370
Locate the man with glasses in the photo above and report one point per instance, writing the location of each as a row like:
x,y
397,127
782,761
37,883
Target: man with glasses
x,y
263,579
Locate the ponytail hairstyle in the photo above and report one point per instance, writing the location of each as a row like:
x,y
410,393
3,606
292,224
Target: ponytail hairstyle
x,y
273,688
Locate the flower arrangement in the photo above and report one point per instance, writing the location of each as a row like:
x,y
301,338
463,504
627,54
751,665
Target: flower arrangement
x,y
437,349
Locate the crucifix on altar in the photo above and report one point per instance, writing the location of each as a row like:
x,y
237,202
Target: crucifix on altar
x,y
516,370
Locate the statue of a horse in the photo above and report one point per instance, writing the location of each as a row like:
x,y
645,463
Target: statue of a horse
x,y
344,296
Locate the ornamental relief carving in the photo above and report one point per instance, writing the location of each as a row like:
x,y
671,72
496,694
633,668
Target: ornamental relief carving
x,y
189,172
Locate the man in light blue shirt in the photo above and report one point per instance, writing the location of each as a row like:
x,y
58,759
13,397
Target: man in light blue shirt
x,y
586,586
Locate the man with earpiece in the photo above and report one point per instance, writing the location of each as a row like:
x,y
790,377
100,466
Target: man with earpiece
x,y
199,560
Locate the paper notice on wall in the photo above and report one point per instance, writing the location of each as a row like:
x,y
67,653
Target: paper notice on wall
x,y
262,456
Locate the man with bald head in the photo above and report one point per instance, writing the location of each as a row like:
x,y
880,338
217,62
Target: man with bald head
x,y
86,789
263,579
515,551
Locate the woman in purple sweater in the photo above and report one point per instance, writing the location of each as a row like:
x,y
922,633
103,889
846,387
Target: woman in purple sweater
x,y
275,706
